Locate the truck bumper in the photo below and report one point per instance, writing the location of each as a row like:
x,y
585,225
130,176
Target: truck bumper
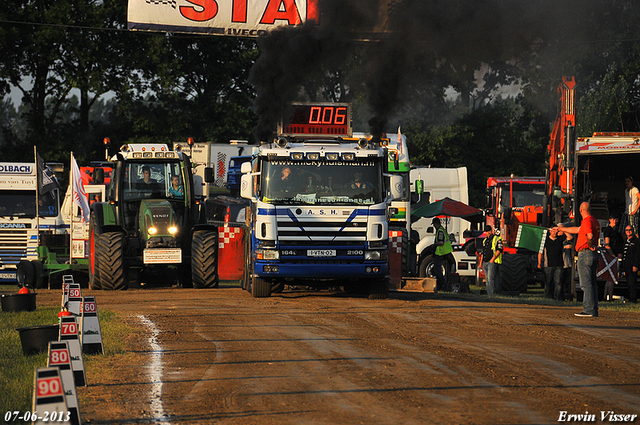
x,y
321,271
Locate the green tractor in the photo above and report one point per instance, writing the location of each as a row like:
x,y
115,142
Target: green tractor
x,y
152,221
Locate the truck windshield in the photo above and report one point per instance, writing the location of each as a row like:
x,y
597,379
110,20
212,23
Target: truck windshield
x,y
322,182
22,203
524,195
153,180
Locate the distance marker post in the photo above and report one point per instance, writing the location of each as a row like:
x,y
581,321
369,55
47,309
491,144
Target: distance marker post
x,y
66,281
91,333
49,401
75,299
59,357
69,333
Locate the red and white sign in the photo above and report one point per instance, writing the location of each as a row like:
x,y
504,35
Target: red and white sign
x,y
242,18
47,387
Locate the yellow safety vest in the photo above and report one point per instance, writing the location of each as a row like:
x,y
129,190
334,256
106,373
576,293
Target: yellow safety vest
x,y
446,248
494,244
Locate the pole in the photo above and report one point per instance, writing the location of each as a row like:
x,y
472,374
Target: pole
x,y
38,179
71,207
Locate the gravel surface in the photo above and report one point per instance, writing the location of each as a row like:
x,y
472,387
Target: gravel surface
x,y
221,356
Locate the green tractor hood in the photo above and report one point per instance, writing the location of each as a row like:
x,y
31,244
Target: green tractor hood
x,y
157,219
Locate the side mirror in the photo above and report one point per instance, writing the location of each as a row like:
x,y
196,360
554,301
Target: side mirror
x,y
246,186
208,175
396,187
419,186
245,167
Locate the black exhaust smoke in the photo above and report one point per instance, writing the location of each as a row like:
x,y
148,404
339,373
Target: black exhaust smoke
x,y
406,49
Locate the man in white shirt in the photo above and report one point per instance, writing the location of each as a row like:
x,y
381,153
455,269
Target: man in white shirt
x,y
632,201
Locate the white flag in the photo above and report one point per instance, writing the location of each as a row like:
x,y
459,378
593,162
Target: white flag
x,y
78,193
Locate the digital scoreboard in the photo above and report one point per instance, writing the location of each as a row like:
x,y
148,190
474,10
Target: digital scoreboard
x,y
316,119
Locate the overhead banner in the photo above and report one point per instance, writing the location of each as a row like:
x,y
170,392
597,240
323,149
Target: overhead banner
x,y
241,18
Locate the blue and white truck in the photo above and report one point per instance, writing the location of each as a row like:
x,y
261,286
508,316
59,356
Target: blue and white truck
x,y
319,206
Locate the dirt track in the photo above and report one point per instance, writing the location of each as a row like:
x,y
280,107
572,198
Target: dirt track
x,y
220,356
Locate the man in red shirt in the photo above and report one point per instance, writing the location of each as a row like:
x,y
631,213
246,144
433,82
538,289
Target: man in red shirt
x,y
588,236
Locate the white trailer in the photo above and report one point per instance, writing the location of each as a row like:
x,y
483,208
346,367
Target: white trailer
x,y
213,158
438,184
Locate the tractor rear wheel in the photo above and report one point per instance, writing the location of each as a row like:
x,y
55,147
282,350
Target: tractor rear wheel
x,y
110,261
204,259
513,273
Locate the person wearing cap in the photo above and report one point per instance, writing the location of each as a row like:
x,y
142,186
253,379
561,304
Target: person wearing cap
x,y
492,258
443,249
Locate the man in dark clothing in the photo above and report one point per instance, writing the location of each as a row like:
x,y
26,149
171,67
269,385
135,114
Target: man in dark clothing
x,y
553,260
631,262
613,240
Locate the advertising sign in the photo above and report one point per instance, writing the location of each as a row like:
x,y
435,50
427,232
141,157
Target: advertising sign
x,y
242,18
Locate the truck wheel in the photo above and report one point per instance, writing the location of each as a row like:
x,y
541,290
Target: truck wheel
x,y
94,269
26,274
260,288
379,289
204,259
38,269
513,273
426,268
277,286
110,261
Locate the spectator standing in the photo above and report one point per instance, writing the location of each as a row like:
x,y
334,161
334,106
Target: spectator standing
x,y
588,234
613,240
553,260
492,258
631,262
632,203
443,249
614,244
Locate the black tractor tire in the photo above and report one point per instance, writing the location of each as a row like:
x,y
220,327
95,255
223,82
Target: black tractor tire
x,y
204,259
26,274
94,269
379,289
38,268
513,273
110,261
260,288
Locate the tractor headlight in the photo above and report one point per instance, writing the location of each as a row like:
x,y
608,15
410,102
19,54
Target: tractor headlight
x,y
173,230
152,230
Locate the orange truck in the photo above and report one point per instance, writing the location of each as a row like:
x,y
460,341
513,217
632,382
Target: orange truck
x,y
509,202
588,169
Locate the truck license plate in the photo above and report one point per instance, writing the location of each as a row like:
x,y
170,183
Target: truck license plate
x,y
162,256
321,253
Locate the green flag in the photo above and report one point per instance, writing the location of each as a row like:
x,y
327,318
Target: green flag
x,y
531,237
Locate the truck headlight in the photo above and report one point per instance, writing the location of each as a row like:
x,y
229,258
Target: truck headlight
x,y
376,255
267,254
